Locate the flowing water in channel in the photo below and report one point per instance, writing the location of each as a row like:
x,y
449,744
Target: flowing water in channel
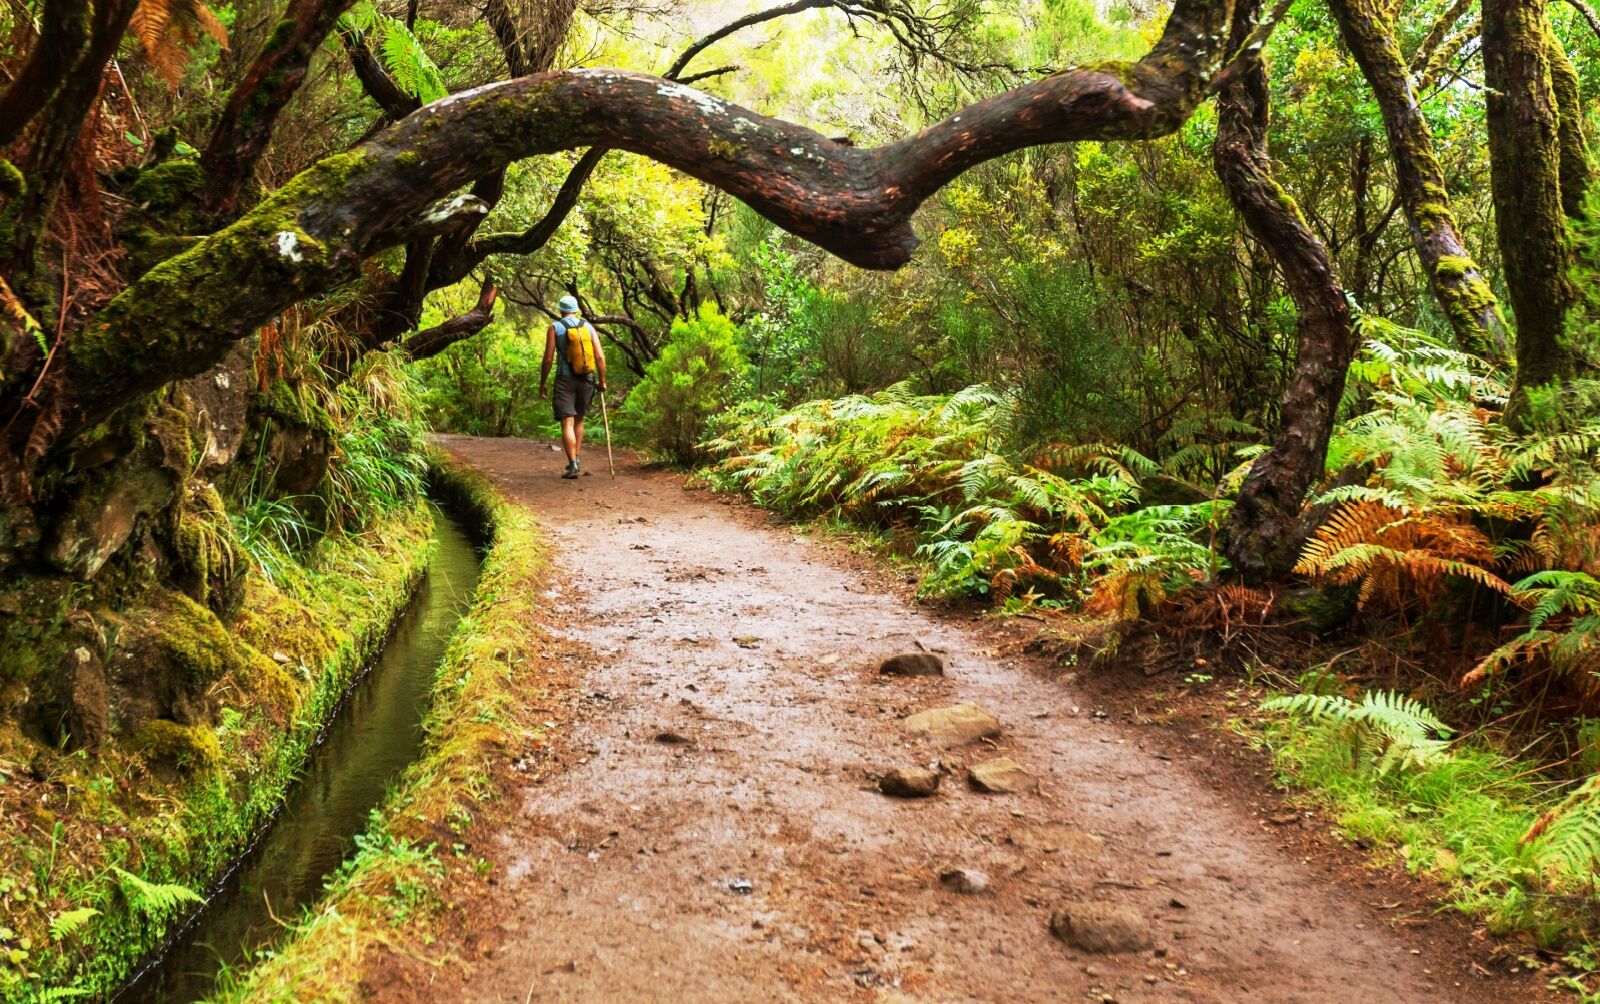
x,y
377,732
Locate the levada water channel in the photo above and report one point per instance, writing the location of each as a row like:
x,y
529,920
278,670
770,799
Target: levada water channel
x,y
375,733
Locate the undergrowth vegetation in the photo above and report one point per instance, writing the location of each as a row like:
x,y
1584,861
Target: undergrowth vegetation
x,y
296,560
1430,511
1060,528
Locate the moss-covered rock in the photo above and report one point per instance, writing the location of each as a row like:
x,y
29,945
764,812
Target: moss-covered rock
x,y
168,653
208,563
168,187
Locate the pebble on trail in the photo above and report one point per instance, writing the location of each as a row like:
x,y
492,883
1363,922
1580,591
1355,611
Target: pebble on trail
x,y
953,726
1101,928
1002,775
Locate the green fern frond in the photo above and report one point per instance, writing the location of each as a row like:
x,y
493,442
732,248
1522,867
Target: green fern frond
x,y
1384,732
64,924
155,900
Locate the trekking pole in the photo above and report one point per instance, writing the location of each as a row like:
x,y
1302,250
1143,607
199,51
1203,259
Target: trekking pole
x,y
605,418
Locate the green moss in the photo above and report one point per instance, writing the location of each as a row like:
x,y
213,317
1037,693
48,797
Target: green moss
x,y
192,637
723,148
207,553
13,185
268,684
1434,214
191,748
283,404
282,34
408,158
1454,267
186,287
169,185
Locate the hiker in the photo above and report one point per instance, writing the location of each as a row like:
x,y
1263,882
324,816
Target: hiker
x,y
580,371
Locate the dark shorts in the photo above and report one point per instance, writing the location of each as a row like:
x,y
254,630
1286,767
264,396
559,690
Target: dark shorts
x,y
571,397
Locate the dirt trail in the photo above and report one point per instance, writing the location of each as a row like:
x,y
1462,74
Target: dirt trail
x,y
627,871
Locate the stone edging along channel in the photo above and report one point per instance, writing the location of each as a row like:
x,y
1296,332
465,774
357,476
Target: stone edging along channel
x,y
497,694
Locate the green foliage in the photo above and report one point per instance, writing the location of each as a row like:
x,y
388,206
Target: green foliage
x,y
69,922
986,523
698,375
156,901
380,464
1445,491
271,531
400,51
487,385
1382,732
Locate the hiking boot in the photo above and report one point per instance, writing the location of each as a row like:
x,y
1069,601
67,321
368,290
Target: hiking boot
x,y
571,473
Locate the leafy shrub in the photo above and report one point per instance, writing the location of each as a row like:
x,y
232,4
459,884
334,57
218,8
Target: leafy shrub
x,y
697,375
987,523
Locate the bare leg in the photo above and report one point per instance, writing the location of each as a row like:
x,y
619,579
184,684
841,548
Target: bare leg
x,y
570,438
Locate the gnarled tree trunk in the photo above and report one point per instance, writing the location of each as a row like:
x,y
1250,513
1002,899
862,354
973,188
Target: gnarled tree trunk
x,y
1525,161
1456,280
1265,531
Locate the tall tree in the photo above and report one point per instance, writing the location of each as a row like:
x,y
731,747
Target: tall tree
x,y
1525,76
1265,530
1458,284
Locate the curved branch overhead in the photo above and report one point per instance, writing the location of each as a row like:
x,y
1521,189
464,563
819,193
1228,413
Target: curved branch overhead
x,y
434,340
312,233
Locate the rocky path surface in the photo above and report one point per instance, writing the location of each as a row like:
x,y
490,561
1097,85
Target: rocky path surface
x,y
720,834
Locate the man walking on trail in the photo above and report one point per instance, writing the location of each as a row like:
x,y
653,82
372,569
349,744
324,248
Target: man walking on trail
x,y
580,371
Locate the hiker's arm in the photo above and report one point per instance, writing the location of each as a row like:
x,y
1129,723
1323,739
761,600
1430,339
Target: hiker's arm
x,y
599,356
549,354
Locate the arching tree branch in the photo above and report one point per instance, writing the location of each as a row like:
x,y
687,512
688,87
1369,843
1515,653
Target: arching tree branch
x,y
434,340
739,24
538,235
314,232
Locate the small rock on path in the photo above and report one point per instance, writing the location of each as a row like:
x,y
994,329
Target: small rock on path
x,y
957,725
909,782
1101,928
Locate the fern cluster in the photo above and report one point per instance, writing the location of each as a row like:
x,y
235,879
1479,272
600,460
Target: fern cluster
x,y
1429,485
156,901
401,52
987,523
1383,731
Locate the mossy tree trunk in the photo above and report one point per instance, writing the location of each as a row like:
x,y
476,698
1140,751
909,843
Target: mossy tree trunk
x,y
240,136
1524,81
58,126
1455,279
1266,528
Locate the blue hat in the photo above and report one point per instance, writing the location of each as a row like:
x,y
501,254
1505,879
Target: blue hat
x,y
568,304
